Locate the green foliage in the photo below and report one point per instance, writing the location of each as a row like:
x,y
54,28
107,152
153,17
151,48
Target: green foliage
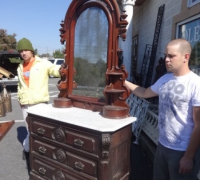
x,y
7,41
45,55
58,54
90,74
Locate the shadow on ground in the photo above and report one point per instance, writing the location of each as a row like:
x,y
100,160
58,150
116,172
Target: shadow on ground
x,y
21,134
141,167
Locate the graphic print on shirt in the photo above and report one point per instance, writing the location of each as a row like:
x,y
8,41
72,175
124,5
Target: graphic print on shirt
x,y
26,74
172,99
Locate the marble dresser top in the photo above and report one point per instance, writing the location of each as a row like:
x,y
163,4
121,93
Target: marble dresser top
x,y
80,117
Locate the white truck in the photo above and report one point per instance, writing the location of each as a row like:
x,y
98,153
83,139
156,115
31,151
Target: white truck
x,y
57,62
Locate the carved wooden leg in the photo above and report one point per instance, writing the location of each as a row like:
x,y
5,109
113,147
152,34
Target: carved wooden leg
x,y
5,127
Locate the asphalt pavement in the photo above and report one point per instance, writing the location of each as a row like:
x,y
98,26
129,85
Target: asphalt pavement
x,y
141,167
12,167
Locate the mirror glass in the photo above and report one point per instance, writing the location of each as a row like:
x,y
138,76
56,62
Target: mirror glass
x,y
90,53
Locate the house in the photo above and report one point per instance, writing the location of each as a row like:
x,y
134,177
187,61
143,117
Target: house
x,y
153,23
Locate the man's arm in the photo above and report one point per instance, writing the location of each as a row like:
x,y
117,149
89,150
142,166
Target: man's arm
x,y
140,91
53,70
186,163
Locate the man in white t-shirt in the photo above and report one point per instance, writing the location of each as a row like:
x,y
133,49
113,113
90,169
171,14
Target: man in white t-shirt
x,y
178,153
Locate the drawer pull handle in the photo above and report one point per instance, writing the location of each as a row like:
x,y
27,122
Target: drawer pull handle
x,y
42,149
42,170
40,130
78,142
79,165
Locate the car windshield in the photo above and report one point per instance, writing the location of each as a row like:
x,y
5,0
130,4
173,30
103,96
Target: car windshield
x,y
59,62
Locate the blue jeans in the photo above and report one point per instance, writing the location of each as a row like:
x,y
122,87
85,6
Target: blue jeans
x,y
166,164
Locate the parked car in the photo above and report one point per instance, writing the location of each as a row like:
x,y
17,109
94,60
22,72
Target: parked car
x,y
57,62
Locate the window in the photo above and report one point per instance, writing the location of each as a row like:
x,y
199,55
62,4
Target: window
x,y
190,30
59,62
51,60
192,3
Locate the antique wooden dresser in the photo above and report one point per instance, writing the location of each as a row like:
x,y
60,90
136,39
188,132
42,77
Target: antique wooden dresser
x,y
78,144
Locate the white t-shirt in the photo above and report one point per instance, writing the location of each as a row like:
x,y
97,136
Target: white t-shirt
x,y
177,96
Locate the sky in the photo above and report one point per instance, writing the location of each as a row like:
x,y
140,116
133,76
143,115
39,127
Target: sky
x,y
37,20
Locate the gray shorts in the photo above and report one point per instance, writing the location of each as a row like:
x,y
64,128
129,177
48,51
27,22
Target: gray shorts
x,y
166,165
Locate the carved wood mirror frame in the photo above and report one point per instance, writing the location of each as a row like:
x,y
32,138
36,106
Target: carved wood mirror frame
x,y
115,93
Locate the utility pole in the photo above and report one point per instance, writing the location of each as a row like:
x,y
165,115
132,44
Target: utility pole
x,y
47,52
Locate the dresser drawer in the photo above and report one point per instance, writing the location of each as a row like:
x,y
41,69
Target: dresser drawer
x,y
42,129
47,170
49,130
81,141
77,139
65,157
82,165
49,151
43,169
34,176
44,149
